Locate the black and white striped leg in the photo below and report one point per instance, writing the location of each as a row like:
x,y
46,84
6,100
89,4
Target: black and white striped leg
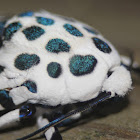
x,y
52,133
86,106
25,112
9,118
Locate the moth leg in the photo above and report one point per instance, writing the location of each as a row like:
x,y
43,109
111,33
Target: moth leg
x,y
66,109
9,118
6,101
52,133
118,81
74,118
26,111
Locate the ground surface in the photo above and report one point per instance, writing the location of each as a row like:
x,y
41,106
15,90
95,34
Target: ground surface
x,y
119,21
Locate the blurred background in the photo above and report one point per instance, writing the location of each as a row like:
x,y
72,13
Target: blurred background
x,y
119,22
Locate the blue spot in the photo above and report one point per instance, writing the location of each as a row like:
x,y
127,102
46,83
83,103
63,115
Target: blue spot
x,y
33,32
31,86
54,69
2,24
57,45
4,93
45,21
1,69
26,14
72,30
90,30
26,61
101,45
11,29
5,100
81,65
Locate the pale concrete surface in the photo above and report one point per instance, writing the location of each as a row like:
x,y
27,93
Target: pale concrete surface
x,y
118,21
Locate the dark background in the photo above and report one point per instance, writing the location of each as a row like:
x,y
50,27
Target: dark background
x,y
117,20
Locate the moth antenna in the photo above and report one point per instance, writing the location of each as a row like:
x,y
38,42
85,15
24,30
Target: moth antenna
x,y
137,70
133,66
102,97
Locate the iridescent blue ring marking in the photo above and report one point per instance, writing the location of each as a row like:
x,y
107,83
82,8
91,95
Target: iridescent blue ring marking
x,y
72,30
81,65
27,111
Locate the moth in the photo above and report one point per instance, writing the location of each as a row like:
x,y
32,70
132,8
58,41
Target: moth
x,y
52,60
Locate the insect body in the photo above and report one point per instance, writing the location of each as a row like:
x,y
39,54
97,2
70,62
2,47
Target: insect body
x,y
52,60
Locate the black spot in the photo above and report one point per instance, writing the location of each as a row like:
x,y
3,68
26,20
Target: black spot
x,y
54,69
1,42
33,32
1,69
2,24
57,45
5,100
26,61
109,73
31,86
11,29
101,45
81,65
72,30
